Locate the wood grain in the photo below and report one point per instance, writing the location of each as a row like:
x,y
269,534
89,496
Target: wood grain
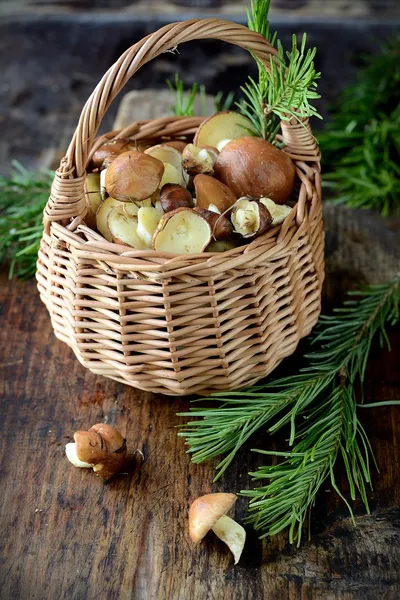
x,y
65,534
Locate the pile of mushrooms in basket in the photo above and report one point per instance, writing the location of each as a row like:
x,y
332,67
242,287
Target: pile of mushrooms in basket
x,y
219,192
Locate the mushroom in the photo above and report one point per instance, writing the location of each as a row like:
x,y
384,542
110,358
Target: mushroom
x,y
133,176
109,150
174,196
93,197
210,192
182,231
197,160
209,512
222,127
102,447
124,228
172,159
172,175
148,218
278,212
220,226
251,166
250,218
102,217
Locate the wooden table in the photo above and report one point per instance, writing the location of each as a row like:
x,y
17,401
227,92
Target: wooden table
x,y
66,534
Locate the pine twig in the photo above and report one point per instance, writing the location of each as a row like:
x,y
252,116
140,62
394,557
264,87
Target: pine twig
x,y
23,197
284,90
323,396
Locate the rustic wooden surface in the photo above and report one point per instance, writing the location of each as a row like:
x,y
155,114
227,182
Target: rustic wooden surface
x,y
65,534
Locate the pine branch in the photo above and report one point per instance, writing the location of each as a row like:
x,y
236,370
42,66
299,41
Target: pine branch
x,y
323,396
184,101
286,89
23,197
361,144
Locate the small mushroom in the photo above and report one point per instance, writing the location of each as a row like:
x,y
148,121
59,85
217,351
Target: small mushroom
x,y
220,226
102,447
109,150
278,212
133,176
182,231
250,218
197,160
173,195
209,191
209,513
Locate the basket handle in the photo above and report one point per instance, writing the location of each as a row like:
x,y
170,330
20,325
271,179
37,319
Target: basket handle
x,y
67,199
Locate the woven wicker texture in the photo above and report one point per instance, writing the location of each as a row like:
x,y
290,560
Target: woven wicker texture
x,y
180,324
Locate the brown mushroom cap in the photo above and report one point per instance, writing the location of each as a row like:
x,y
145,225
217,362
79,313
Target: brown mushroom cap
x,y
103,447
109,150
251,166
205,512
211,191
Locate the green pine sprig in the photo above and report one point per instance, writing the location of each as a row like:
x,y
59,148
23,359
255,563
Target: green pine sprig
x,y
361,143
284,90
23,197
322,397
184,101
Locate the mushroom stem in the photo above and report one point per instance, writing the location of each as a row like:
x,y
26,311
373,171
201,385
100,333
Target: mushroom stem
x,y
70,451
232,534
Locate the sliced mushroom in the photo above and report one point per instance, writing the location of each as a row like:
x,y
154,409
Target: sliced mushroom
x,y
170,157
278,212
93,197
148,218
220,226
250,218
124,229
197,160
222,127
102,217
182,231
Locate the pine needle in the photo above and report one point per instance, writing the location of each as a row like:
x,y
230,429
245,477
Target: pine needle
x,y
23,197
322,397
361,144
287,88
184,101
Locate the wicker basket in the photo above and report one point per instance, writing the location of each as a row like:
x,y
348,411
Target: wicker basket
x,y
180,324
